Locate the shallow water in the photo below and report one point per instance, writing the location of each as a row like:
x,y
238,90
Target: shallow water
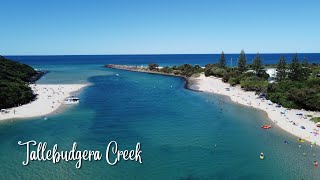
x,y
183,134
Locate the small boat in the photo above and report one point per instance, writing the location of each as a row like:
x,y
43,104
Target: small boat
x,y
261,156
315,163
266,126
71,100
300,140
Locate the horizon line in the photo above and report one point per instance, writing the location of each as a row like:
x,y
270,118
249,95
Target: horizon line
x,y
133,54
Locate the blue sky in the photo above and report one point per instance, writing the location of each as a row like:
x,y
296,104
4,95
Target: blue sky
x,y
37,27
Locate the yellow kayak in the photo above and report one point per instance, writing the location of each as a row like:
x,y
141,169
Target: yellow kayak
x,y
261,156
300,140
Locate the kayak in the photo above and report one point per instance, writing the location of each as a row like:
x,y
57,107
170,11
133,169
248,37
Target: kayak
x,y
300,140
266,126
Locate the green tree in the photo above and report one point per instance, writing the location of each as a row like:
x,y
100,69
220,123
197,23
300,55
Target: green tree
x,y
281,69
305,68
2,58
257,64
166,69
295,70
222,60
197,66
14,79
242,61
152,67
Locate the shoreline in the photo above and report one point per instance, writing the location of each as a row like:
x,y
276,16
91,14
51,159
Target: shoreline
x,y
286,119
141,69
49,100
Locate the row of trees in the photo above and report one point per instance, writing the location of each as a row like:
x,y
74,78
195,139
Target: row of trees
x,y
295,71
242,61
297,84
183,70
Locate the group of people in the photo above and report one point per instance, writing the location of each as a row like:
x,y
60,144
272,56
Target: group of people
x,y
315,163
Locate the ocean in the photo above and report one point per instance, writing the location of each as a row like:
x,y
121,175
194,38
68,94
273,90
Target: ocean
x,y
184,134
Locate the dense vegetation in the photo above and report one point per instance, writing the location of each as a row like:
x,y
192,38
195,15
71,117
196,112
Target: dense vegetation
x,y
296,85
14,79
186,70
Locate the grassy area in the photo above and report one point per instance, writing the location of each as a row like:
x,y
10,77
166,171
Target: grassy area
x,y
315,119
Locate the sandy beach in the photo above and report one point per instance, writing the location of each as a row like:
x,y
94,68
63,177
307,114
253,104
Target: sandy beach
x,y
50,98
284,118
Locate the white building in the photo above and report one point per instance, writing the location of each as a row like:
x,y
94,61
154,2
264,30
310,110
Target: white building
x,y
272,72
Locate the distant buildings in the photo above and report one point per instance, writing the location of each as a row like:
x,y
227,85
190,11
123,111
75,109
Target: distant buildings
x,y
272,72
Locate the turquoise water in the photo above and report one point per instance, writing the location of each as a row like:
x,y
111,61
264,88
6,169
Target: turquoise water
x,y
183,134
70,74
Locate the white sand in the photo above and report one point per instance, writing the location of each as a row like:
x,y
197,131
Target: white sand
x,y
50,98
285,121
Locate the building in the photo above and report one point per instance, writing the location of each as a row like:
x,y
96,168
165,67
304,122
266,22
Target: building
x,y
272,72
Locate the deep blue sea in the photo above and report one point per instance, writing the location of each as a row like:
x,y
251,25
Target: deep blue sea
x,y
170,59
184,134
